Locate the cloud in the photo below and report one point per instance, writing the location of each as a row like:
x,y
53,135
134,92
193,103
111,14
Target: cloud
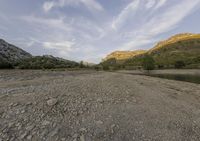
x,y
160,4
62,47
47,6
125,14
159,23
57,23
172,16
150,3
90,4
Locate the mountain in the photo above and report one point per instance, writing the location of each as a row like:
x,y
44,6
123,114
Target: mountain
x,y
10,54
174,39
181,47
14,57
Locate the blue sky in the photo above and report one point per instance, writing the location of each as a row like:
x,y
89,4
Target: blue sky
x,y
90,29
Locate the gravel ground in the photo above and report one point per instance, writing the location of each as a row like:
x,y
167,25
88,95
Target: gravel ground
x,y
96,106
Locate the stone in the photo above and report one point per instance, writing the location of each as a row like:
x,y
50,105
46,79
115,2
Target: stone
x,y
99,122
45,123
100,100
23,111
23,135
52,102
29,137
82,138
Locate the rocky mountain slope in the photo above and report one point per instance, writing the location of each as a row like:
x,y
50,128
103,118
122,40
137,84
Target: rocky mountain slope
x,y
14,57
11,54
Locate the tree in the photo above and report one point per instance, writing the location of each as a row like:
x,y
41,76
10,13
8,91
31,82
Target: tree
x,y
148,63
179,64
82,64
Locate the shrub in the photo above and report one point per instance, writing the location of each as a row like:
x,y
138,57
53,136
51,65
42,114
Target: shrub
x,y
148,63
179,64
6,65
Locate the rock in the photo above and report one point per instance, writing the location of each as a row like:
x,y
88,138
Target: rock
x,y
23,135
29,103
45,123
82,138
63,139
100,100
29,137
11,104
54,132
16,104
29,128
52,102
99,122
83,130
75,136
23,111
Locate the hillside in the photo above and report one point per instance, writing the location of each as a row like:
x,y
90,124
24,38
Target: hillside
x,y
14,57
123,55
46,62
174,39
181,47
10,54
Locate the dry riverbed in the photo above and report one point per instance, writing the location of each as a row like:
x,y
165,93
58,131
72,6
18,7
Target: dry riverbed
x,y
96,106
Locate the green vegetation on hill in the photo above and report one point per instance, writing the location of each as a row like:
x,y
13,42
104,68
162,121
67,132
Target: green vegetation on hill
x,y
179,51
46,62
14,57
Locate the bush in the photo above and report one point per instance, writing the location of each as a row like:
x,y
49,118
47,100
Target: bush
x,y
148,63
179,64
105,67
6,65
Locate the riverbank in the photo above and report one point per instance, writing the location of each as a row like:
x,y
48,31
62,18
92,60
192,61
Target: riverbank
x,y
96,106
167,71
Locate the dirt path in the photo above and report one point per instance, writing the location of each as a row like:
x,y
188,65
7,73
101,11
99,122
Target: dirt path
x,y
96,106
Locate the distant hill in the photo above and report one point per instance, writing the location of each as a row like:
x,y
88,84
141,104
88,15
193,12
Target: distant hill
x,y
181,47
123,55
14,57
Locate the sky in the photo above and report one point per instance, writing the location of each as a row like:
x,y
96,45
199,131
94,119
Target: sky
x,y
90,29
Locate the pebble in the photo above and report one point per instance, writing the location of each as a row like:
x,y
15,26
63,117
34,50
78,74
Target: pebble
x,y
52,102
82,138
29,137
23,111
45,123
100,100
99,122
23,135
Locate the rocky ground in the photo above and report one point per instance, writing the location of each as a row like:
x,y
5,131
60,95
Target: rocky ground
x,y
96,106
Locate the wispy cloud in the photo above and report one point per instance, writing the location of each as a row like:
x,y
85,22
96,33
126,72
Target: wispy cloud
x,y
90,4
50,22
125,14
159,23
90,29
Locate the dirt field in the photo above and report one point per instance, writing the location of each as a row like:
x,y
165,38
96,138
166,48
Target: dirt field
x,y
96,106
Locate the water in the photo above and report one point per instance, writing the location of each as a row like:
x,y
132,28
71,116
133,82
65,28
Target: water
x,y
179,77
